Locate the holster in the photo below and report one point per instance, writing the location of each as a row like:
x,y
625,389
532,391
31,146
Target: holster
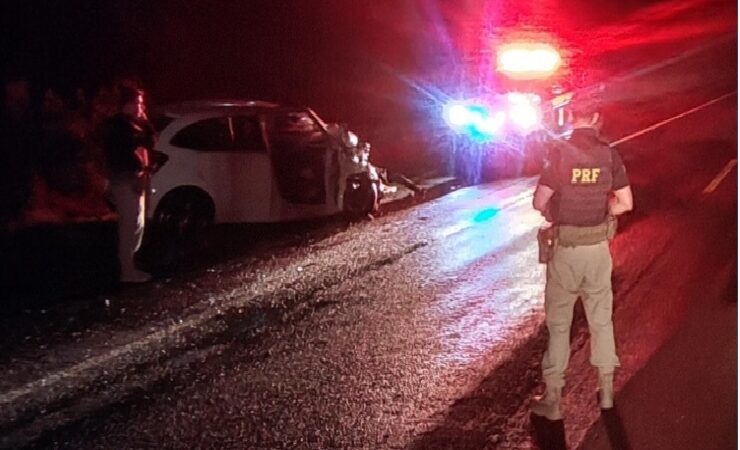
x,y
551,235
546,243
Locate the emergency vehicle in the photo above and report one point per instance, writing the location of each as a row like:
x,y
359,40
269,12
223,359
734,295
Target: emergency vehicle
x,y
519,106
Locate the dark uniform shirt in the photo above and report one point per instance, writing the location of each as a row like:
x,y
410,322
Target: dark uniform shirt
x,y
582,171
582,138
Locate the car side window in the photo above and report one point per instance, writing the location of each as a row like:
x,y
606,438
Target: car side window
x,y
206,135
248,134
295,122
296,126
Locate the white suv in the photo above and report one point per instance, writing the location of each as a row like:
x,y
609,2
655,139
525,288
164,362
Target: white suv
x,y
249,161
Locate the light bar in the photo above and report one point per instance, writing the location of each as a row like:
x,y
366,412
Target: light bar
x,y
523,58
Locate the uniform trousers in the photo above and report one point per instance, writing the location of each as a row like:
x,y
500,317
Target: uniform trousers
x,y
128,195
579,271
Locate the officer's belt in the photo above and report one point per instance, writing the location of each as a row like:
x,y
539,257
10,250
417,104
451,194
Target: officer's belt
x,y
573,236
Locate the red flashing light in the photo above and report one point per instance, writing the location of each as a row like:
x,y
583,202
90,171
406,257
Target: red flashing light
x,y
528,59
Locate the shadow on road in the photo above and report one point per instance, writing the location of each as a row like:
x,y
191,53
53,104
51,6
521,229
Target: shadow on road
x,y
615,429
610,433
548,434
477,420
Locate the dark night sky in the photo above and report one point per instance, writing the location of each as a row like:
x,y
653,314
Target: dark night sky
x,y
345,58
294,50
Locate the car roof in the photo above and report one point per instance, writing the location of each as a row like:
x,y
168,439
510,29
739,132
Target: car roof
x,y
214,106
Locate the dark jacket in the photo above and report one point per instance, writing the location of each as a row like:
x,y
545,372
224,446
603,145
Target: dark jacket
x,y
121,136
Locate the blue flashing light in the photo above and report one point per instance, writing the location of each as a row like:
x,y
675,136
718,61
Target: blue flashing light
x,y
457,115
476,121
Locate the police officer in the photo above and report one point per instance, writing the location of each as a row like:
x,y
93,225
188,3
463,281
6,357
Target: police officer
x,y
581,190
127,140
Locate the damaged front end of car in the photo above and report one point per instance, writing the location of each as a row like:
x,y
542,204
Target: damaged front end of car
x,y
359,186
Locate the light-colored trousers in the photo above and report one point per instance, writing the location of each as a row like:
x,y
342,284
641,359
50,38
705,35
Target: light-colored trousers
x,y
583,271
128,195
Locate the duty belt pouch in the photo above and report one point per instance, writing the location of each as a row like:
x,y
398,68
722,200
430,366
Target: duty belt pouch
x,y
546,243
573,236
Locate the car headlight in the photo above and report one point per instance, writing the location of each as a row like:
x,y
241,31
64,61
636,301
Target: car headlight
x,y
524,110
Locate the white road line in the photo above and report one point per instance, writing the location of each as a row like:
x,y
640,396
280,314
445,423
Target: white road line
x,y
720,176
671,119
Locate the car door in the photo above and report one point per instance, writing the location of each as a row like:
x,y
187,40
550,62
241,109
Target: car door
x,y
230,171
252,177
299,153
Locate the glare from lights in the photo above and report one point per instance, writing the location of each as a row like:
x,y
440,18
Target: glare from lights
x,y
519,98
490,124
524,115
475,120
524,109
522,58
457,115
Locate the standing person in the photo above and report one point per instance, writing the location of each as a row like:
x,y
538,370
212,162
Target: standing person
x,y
582,188
127,140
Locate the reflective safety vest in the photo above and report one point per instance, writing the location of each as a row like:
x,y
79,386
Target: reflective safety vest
x,y
585,180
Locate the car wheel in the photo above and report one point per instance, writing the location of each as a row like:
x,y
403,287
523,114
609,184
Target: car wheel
x,y
182,222
361,196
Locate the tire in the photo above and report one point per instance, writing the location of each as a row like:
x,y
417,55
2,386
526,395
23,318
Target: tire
x,y
361,196
181,225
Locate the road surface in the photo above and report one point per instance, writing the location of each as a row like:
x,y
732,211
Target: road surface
x,y
421,329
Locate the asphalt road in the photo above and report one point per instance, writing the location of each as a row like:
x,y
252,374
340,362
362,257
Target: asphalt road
x,y
421,329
